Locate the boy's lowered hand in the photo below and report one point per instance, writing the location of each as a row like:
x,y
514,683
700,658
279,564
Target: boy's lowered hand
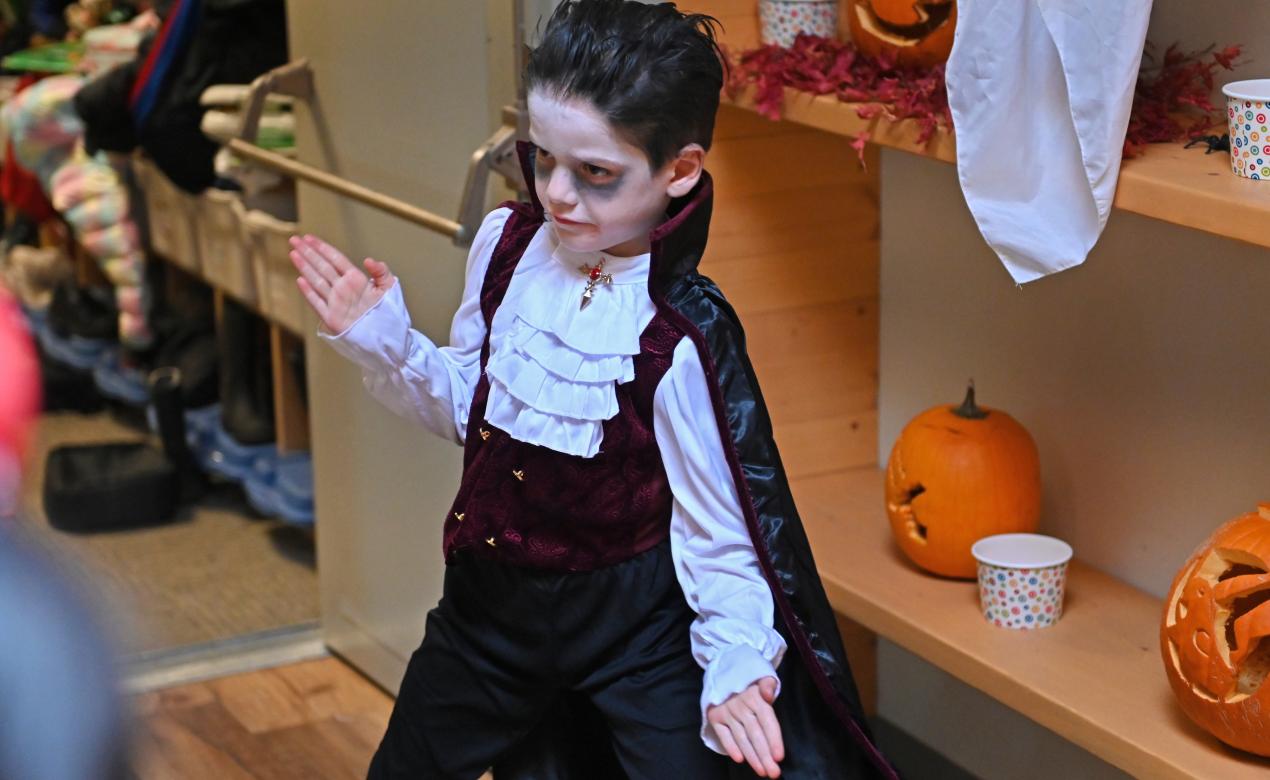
x,y
336,289
746,726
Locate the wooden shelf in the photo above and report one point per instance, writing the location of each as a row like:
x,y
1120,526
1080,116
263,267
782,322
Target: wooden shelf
x,y
1167,182
1190,188
828,113
1095,678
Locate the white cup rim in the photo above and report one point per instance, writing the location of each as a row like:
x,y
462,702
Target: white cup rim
x,y
1021,551
1248,89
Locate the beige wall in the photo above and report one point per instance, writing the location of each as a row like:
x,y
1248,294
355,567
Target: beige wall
x,y
1220,22
406,90
1142,374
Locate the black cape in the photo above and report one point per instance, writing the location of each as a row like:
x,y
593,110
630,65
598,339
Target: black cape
x,y
822,724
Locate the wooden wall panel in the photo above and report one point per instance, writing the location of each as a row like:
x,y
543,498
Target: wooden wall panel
x,y
794,246
802,333
792,160
828,445
767,222
779,280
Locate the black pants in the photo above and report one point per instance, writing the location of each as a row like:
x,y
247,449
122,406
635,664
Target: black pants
x,y
506,643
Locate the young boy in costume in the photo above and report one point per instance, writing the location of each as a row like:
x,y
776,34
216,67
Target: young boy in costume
x,y
623,511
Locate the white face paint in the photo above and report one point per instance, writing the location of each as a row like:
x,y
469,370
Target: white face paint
x,y
595,185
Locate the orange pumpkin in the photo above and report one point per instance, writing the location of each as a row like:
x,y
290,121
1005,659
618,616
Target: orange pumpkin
x,y
1215,620
918,32
956,475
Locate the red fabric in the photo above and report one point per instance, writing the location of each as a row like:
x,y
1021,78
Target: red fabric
x,y
21,190
568,513
27,79
18,187
20,398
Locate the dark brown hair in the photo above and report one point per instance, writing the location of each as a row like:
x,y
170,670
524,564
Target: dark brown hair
x,y
653,71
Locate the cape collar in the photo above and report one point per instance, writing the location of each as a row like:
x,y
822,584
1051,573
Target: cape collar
x,y
676,245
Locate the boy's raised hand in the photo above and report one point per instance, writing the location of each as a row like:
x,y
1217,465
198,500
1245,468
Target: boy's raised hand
x,y
336,289
746,726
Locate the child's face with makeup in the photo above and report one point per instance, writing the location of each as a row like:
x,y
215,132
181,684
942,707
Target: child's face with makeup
x,y
595,185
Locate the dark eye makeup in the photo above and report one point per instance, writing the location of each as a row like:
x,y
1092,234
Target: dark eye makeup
x,y
590,177
538,158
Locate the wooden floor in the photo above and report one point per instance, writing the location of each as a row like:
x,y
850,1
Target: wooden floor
x,y
317,720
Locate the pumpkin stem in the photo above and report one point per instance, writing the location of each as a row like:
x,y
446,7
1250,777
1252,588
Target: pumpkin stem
x,y
968,410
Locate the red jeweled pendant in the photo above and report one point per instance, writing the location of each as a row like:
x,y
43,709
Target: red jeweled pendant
x,y
595,276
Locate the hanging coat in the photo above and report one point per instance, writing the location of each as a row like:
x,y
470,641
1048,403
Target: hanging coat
x,y
45,136
153,101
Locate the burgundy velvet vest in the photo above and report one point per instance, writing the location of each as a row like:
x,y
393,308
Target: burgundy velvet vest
x,y
528,505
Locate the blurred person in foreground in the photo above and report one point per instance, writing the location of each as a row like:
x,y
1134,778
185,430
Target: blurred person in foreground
x,y
61,716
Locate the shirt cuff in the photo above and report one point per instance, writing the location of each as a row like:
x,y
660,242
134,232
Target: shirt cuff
x,y
377,338
729,673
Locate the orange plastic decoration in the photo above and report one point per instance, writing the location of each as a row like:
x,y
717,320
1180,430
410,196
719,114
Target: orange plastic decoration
x,y
956,475
1211,638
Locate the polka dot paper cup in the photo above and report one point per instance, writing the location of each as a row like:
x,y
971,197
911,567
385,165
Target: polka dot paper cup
x,y
1248,116
782,20
1021,579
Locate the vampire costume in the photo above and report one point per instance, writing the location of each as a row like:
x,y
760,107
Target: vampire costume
x,y
822,723
559,608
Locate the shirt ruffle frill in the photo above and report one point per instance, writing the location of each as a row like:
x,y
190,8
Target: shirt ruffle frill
x,y
554,371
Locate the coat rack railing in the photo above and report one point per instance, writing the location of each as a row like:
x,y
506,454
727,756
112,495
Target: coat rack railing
x,y
296,79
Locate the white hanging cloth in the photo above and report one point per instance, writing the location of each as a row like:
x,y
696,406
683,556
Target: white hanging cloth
x,y
1040,92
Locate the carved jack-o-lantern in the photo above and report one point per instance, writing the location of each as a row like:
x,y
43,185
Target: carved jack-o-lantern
x,y
956,475
917,32
1215,620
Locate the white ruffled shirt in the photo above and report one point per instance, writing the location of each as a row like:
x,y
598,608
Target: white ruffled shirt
x,y
553,371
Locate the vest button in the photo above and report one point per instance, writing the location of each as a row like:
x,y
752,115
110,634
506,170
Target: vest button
x,y
458,516
490,542
519,474
484,435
